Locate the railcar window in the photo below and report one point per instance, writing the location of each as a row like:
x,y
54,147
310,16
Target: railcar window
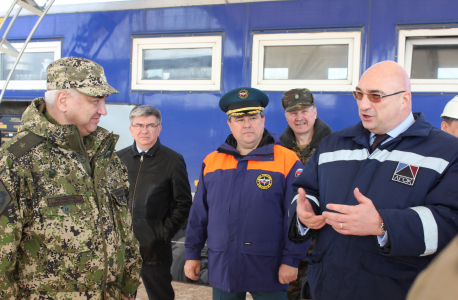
x,y
177,63
430,57
32,66
324,61
320,62
434,62
30,73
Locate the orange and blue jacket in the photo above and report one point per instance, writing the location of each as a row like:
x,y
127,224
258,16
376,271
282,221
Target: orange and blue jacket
x,y
241,210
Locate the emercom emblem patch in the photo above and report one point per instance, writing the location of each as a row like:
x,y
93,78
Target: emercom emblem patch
x,y
264,181
405,174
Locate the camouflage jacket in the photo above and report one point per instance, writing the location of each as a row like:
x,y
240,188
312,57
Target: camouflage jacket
x,y
64,220
288,140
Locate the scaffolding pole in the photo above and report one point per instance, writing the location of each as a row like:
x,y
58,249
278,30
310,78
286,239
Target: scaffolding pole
x,y
33,7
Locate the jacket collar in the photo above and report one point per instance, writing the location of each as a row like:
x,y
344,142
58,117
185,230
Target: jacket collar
x,y
150,152
321,131
421,127
263,152
39,122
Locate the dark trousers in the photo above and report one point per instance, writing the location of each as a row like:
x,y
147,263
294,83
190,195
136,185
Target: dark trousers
x,y
221,295
158,281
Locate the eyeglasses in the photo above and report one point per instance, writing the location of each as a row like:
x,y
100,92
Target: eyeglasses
x,y
375,98
148,126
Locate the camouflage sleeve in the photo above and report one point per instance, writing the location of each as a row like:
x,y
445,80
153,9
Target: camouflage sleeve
x,y
133,260
11,223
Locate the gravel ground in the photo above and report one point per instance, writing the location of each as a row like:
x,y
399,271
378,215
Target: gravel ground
x,y
185,291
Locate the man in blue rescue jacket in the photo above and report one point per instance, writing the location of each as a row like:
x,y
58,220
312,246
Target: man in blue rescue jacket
x,y
241,207
382,212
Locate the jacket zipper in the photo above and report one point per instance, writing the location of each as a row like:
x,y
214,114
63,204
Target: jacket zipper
x,y
135,188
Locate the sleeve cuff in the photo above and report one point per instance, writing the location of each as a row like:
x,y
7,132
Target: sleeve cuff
x,y
301,227
292,262
192,256
382,239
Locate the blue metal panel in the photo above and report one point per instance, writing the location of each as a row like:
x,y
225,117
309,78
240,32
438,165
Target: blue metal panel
x,y
230,19
305,16
105,38
385,15
24,25
308,14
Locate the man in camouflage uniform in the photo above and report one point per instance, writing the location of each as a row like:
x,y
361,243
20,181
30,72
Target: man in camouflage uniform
x,y
64,221
303,135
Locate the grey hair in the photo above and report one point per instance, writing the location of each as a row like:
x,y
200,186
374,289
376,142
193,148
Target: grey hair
x,y
229,117
145,111
51,96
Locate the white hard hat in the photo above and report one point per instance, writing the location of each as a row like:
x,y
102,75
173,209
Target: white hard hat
x,y
451,109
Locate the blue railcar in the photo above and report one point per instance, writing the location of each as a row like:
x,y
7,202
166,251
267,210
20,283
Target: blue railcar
x,y
421,34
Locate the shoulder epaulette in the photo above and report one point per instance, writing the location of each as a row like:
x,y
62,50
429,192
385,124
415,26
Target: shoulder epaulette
x,y
25,143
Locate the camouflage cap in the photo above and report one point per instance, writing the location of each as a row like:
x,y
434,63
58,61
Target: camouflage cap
x,y
297,99
83,75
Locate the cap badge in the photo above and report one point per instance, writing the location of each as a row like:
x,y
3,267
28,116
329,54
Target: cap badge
x,y
264,181
243,94
296,96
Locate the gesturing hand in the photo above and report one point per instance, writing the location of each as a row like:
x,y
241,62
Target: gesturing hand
x,y
362,219
306,214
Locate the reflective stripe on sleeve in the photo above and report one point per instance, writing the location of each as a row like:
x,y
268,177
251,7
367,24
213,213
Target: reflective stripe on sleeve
x,y
295,198
314,199
429,229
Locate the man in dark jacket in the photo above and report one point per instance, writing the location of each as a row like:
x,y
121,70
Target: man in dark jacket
x,y
241,207
303,135
160,198
381,195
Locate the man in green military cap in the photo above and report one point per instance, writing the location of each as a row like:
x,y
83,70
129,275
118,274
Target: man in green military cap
x,y
241,207
303,135
64,221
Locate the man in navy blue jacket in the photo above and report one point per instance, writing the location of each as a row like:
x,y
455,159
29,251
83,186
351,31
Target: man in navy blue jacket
x,y
382,195
240,207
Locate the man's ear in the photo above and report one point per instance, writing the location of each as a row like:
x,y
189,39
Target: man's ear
x,y
444,126
62,101
406,100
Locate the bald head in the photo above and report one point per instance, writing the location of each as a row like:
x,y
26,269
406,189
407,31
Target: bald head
x,y
384,78
389,74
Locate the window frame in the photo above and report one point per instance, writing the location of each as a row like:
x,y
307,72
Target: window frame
x,y
146,43
41,46
407,38
351,38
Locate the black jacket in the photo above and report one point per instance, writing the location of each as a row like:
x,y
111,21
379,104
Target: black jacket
x,y
160,198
